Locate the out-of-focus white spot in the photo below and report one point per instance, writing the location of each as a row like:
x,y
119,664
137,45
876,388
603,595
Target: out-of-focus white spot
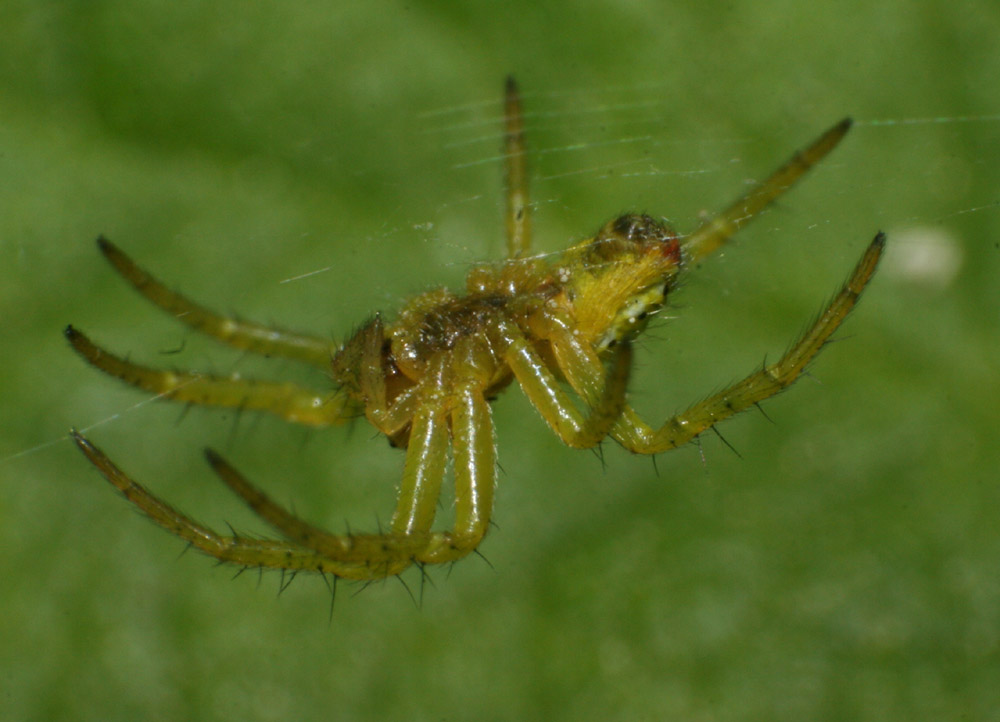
x,y
924,256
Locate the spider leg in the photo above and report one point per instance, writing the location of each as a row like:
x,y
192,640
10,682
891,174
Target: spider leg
x,y
358,556
583,369
474,453
286,400
409,539
475,460
242,551
387,418
244,335
518,211
719,229
367,556
635,435
542,389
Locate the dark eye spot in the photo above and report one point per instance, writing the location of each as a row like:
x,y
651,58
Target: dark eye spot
x,y
623,225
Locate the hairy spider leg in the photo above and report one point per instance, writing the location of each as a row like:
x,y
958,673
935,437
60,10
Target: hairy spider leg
x,y
452,402
387,418
268,553
426,453
474,454
584,371
518,213
410,538
543,391
717,230
285,400
244,335
366,556
360,556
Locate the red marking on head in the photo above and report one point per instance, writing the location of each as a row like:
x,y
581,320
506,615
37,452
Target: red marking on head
x,y
671,249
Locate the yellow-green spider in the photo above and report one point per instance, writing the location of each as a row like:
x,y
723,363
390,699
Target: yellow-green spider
x,y
426,377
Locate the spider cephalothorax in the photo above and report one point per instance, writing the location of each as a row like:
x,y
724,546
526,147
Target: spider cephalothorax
x,y
556,326
620,277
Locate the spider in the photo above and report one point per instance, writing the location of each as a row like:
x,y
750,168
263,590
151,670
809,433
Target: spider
x,y
555,325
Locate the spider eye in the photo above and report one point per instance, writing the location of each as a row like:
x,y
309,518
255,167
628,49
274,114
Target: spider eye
x,y
639,229
629,236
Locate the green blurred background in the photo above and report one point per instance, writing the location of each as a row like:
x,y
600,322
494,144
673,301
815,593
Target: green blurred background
x,y
845,566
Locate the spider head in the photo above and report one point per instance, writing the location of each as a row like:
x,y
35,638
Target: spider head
x,y
617,279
